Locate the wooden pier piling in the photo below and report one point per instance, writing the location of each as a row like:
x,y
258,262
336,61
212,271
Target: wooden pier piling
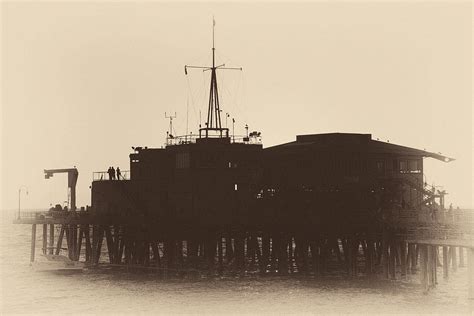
x,y
45,238
454,263
470,263
461,257
445,262
403,258
33,242
60,240
51,239
423,249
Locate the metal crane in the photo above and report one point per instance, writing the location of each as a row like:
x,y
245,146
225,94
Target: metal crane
x,y
72,175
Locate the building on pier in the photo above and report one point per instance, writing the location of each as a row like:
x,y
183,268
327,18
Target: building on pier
x,y
214,179
217,200
318,179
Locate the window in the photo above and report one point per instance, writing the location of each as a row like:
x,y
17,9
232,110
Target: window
x,y
414,166
403,168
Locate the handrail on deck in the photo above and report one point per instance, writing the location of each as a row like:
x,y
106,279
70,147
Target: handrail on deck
x,y
192,138
104,175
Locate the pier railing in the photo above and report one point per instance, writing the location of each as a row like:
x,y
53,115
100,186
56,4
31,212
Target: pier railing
x,y
31,214
104,175
192,138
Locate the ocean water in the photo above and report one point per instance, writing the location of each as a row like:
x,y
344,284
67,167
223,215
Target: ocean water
x,y
25,291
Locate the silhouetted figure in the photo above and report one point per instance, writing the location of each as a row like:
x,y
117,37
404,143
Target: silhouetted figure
x,y
119,174
112,172
109,171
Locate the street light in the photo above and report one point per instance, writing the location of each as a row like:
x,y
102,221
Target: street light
x,y
19,198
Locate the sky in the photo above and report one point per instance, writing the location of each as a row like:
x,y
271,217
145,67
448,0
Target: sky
x,y
82,82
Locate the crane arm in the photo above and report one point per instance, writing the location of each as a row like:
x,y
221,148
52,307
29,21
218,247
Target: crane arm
x,y
72,175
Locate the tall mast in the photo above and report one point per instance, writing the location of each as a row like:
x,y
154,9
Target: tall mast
x,y
213,112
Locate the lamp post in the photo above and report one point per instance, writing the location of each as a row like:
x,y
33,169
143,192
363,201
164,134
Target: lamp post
x,y
19,198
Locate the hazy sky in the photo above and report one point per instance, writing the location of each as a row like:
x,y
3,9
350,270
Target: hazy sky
x,y
83,82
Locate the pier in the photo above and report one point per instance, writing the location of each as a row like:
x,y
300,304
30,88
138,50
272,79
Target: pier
x,y
216,203
168,250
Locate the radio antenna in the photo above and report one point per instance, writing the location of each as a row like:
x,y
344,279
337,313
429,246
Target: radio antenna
x,y
213,112
170,117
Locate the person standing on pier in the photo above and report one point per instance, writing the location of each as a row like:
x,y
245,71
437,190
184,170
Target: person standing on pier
x,y
119,174
112,172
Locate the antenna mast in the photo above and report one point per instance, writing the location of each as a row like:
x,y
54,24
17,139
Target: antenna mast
x,y
169,134
213,112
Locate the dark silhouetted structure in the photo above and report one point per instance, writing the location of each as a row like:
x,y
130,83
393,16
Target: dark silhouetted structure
x,y
215,200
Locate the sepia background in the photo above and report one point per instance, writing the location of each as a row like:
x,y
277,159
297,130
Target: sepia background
x,y
82,82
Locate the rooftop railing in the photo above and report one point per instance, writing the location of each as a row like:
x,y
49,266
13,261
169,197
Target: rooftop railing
x,y
104,176
192,138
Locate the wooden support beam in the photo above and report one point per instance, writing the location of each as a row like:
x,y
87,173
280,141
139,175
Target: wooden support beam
x,y
60,240
146,253
445,262
323,253
417,254
51,239
110,244
392,259
74,241
337,250
180,252
156,253
290,251
423,265
128,251
116,245
408,259
229,248
435,264
45,238
314,256
258,249
79,242
352,247
370,257
429,265
461,257
100,238
121,248
454,258
347,254
220,253
33,242
414,258
94,244
305,254
69,243
265,253
403,258
88,243
470,268
283,255
385,259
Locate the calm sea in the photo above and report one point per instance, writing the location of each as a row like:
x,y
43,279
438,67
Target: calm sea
x,y
24,290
